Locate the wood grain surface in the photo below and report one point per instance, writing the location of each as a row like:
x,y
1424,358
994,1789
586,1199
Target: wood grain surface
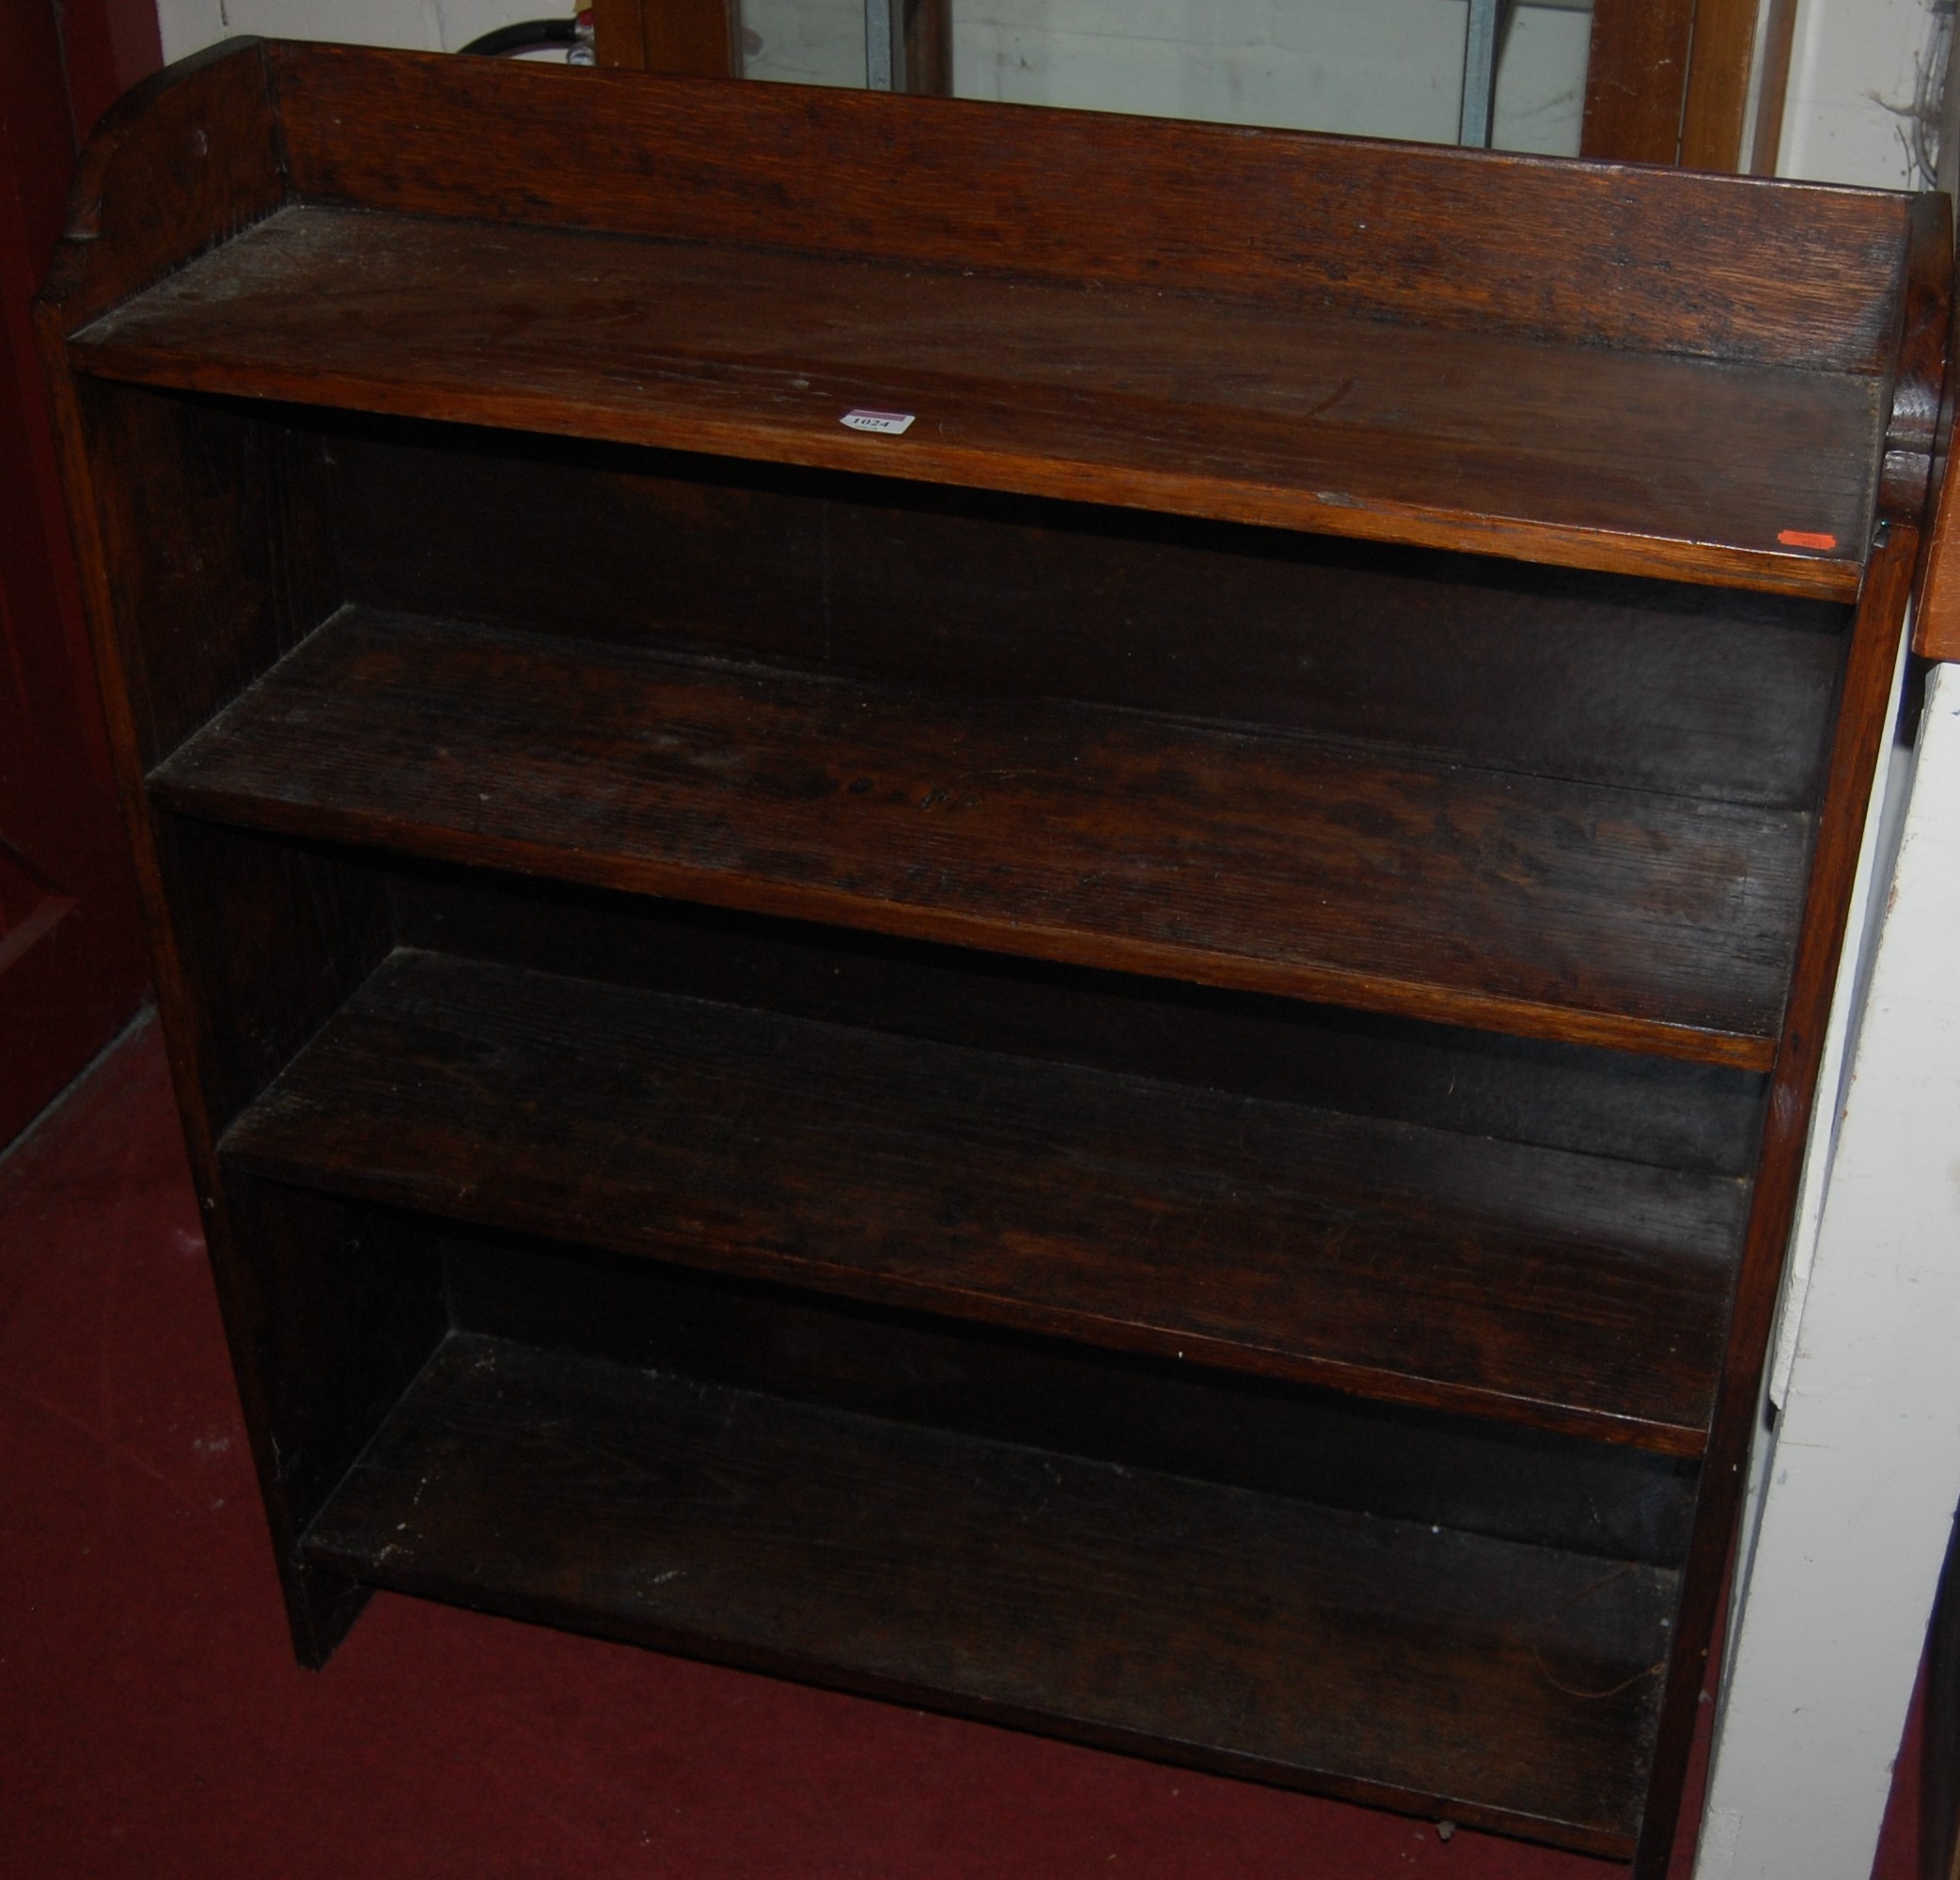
x,y
1637,79
1566,1290
1692,691
1221,856
1567,253
1478,1680
1581,455
1700,1117
1478,1475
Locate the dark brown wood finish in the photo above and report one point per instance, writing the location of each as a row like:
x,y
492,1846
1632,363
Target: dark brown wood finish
x,y
1861,724
697,39
618,37
1936,627
1062,832
185,160
1914,444
1595,457
182,161
1699,1119
927,30
1468,241
1402,1464
1039,677
1500,666
1375,256
1241,1632
1563,1290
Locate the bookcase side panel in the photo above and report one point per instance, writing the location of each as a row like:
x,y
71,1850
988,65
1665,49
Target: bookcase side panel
x,y
1844,797
215,557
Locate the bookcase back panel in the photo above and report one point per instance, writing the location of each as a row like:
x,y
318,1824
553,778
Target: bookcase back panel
x,y
268,939
1700,1118
1696,691
1309,1444
221,553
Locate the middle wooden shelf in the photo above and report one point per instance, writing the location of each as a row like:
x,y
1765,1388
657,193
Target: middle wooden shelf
x,y
1565,1290
1244,856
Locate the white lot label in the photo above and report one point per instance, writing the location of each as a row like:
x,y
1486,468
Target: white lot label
x,y
893,424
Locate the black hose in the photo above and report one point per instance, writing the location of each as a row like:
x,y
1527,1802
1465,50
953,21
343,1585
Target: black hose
x,y
527,36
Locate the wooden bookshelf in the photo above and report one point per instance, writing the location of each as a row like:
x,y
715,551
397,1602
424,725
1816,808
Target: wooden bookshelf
x,y
1133,1060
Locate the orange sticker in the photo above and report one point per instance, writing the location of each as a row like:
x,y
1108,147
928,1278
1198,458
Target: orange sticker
x,y
1805,539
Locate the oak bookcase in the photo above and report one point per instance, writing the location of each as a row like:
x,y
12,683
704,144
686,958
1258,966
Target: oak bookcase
x,y
1133,1061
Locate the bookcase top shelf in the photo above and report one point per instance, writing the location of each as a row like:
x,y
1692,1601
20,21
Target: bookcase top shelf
x,y
1166,401
1393,343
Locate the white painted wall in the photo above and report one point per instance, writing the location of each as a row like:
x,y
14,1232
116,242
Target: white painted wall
x,y
1852,72
1378,67
1865,1468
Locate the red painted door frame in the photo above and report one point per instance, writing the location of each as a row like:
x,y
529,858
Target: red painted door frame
x,y
72,970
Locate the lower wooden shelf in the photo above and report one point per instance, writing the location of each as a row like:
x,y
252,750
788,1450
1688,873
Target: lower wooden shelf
x,y
1412,1264
1391,1662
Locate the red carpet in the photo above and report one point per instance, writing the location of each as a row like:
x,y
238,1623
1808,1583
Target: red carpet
x,y
152,1722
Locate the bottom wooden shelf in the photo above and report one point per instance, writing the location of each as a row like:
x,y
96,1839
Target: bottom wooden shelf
x,y
1387,1661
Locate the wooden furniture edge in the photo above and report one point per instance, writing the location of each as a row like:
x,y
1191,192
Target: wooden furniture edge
x,y
1827,574
1772,85
319,1613
1936,627
1720,59
158,129
1862,727
1102,196
203,173
145,136
1912,431
1637,70
1346,986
